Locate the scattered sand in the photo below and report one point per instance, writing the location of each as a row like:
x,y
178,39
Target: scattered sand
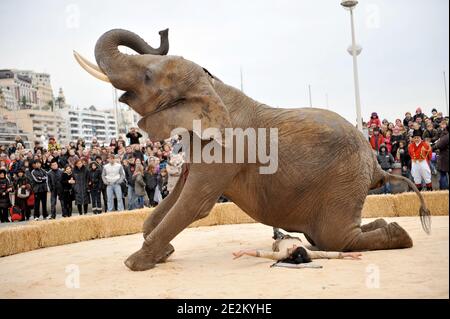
x,y
202,267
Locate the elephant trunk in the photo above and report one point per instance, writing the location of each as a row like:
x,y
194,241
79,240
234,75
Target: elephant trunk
x,y
117,65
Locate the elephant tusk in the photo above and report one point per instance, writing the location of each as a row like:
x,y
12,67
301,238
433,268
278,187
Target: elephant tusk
x,y
90,68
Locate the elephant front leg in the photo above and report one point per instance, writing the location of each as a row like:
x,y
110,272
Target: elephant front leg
x,y
200,192
160,211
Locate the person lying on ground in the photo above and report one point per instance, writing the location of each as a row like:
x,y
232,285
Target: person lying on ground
x,y
292,250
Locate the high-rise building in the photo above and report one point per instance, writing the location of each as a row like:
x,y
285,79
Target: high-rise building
x,y
28,89
20,87
89,123
41,81
7,98
40,124
9,130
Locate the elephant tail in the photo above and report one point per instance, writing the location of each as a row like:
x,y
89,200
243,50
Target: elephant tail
x,y
424,212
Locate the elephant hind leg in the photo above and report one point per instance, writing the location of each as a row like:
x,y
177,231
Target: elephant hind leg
x,y
391,236
378,223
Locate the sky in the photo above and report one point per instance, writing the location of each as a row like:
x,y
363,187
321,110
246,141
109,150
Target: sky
x,y
282,47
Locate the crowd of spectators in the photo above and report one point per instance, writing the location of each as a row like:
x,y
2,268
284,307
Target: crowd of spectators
x,y
391,142
127,173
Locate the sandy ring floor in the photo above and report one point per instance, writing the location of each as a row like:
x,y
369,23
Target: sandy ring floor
x,y
202,267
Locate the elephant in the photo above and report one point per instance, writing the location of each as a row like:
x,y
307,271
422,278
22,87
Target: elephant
x,y
325,165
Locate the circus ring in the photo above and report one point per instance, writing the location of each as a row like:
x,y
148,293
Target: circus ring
x,y
60,258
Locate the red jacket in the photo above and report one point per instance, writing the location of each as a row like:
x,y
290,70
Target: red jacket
x,y
420,152
376,121
373,140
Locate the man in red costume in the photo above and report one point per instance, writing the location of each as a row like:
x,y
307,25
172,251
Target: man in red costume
x,y
420,152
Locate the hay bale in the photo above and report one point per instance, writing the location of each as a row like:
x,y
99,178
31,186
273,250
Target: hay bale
x,y
379,205
224,214
408,204
230,213
121,223
67,230
14,240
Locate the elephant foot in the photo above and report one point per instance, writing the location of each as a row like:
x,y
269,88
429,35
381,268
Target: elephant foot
x,y
166,254
143,260
398,237
378,223
140,261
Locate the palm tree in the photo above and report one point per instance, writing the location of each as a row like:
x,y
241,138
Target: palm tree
x,y
59,101
50,105
24,101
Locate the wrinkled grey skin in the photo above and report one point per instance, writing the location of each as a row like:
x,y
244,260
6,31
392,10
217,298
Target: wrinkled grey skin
x,y
325,166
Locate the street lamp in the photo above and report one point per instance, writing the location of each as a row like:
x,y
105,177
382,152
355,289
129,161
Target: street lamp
x,y
354,50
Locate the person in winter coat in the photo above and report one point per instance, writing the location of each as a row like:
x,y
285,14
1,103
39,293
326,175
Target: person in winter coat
x,y
402,156
151,178
62,159
80,188
374,120
134,136
6,188
376,139
39,182
139,185
438,120
72,158
95,186
442,164
419,114
137,152
387,140
99,162
55,186
430,135
14,166
67,182
52,145
22,187
129,171
408,118
396,137
385,159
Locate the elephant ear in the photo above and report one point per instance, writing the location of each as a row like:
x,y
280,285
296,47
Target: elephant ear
x,y
203,109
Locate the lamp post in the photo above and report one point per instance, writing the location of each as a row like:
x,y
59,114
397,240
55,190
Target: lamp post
x,y
310,96
354,50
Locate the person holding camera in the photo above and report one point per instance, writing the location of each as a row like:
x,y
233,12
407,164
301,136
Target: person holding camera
x,y
134,136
